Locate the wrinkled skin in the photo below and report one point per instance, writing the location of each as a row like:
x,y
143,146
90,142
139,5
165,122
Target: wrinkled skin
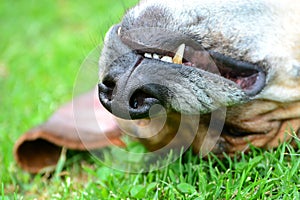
x,y
262,35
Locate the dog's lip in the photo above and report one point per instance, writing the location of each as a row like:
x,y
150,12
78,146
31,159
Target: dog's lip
x,y
250,77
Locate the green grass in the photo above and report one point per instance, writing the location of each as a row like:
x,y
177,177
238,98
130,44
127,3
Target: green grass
x,y
42,45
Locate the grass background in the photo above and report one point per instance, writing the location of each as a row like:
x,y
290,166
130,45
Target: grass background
x,y
42,45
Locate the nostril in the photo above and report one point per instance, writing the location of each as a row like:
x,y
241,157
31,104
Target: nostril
x,y
140,99
141,102
109,84
108,87
106,93
136,101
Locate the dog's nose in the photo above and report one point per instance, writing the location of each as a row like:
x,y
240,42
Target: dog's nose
x,y
126,103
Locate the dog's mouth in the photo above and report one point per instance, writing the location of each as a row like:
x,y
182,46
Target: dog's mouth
x,y
249,77
180,49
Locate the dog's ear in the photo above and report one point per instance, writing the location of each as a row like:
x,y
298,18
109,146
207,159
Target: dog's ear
x,y
81,124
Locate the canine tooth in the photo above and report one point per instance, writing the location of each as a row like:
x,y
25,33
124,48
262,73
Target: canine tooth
x,y
119,30
166,59
179,54
148,55
155,56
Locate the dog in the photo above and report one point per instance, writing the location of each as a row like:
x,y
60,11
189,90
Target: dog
x,y
234,62
213,75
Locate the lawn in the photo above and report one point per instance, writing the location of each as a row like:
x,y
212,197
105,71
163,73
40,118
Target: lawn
x,y
42,46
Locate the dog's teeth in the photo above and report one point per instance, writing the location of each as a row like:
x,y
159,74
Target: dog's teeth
x,y
119,30
155,56
166,59
179,54
148,55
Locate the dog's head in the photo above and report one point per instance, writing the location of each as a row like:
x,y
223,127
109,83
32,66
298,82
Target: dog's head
x,y
196,56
